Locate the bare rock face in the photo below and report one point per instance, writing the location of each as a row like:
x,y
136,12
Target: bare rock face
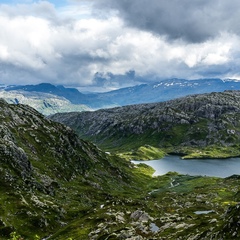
x,y
231,228
140,216
16,158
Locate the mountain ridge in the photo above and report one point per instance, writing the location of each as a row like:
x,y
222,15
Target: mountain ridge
x,y
193,122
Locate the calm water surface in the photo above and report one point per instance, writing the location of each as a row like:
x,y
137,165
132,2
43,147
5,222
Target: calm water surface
x,y
208,167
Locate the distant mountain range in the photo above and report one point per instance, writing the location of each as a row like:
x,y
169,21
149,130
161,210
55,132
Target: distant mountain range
x,y
167,90
71,94
144,93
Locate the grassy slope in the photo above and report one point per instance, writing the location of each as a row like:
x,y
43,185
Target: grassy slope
x,y
143,153
168,206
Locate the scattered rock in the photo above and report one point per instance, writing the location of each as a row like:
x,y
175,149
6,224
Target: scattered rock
x,y
141,216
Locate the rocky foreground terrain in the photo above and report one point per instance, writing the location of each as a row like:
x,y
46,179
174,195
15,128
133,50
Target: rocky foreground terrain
x,y
204,125
48,176
56,186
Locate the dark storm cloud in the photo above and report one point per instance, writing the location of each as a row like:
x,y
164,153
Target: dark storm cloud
x,y
190,20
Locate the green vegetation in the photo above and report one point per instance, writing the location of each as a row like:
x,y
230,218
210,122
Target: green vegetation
x,y
211,152
15,236
56,186
169,207
143,153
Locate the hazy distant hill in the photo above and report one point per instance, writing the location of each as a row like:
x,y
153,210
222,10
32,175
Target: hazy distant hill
x,y
70,94
45,103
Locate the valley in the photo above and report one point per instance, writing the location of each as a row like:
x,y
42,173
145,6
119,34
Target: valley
x,y
57,185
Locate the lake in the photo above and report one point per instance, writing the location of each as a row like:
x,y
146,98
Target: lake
x,y
205,167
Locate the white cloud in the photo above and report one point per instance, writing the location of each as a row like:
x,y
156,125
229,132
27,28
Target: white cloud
x,y
42,9
4,54
38,43
25,40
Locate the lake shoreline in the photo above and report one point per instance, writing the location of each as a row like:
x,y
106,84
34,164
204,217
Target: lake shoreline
x,y
219,167
185,157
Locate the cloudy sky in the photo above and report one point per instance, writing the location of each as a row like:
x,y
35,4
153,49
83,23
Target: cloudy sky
x,y
108,44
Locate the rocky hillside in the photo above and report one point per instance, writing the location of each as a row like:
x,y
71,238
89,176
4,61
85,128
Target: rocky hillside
x,y
45,169
205,125
56,186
